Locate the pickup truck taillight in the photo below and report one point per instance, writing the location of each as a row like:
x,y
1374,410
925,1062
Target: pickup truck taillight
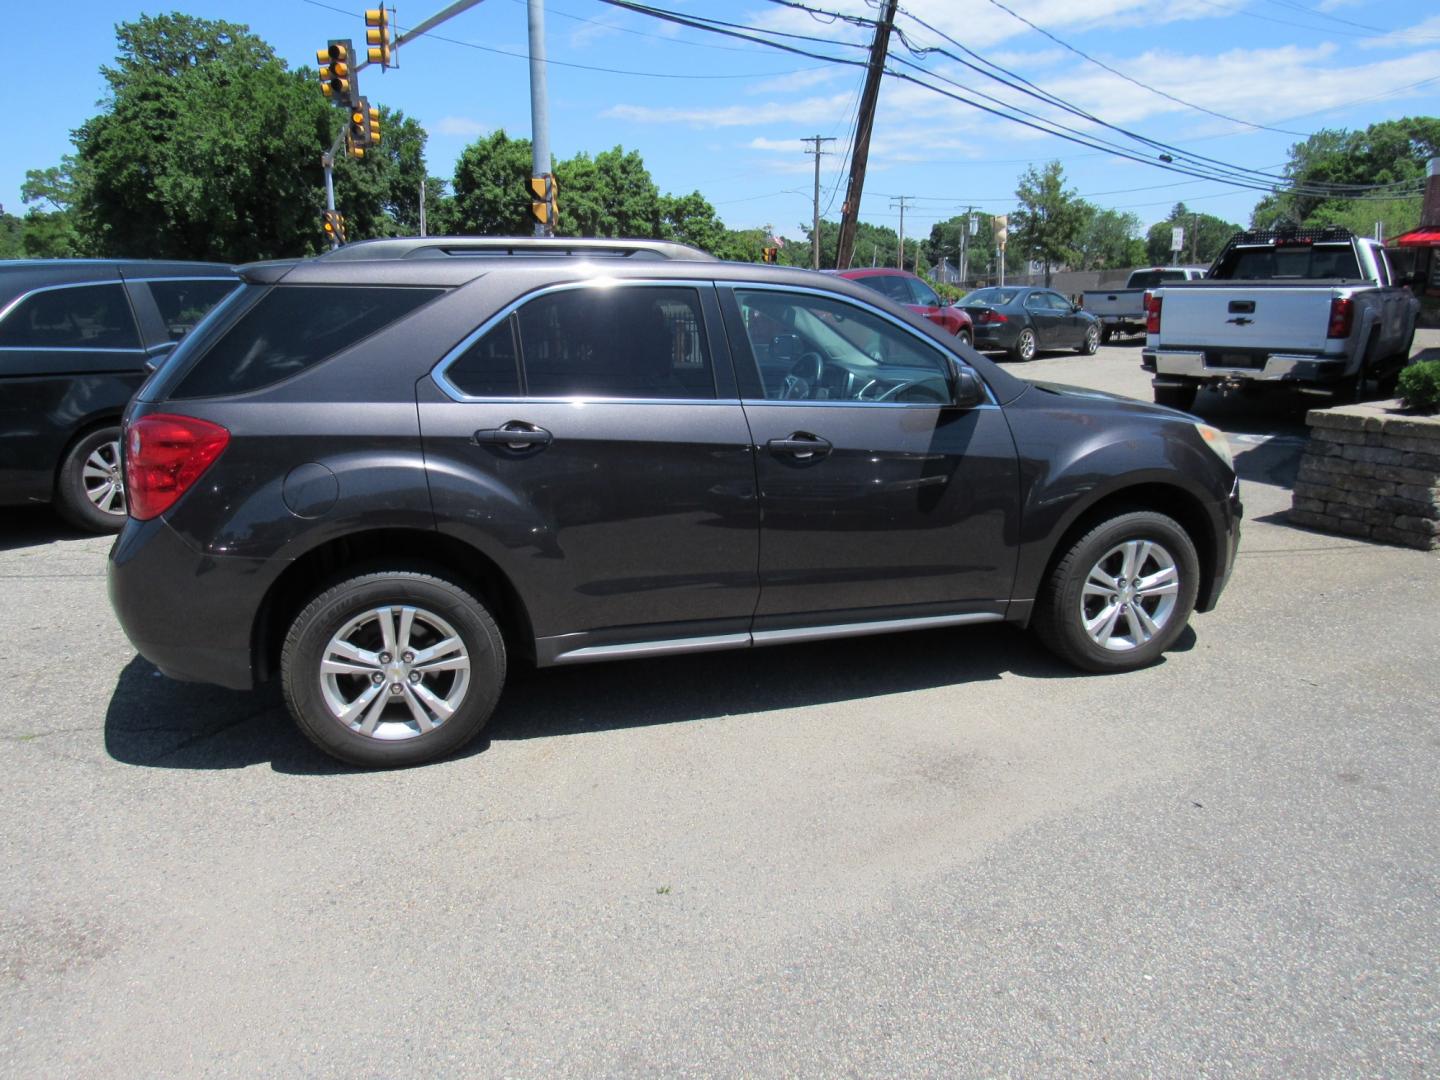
x,y
164,455
1342,317
1152,313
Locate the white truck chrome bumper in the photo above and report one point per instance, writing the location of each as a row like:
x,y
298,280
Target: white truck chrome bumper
x,y
1278,367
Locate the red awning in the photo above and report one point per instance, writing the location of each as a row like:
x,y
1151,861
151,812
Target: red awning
x,y
1419,238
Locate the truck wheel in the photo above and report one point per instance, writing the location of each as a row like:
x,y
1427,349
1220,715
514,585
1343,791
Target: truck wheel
x,y
1176,397
89,488
1121,594
392,669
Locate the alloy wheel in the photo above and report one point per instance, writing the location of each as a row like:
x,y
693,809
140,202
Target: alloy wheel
x,y
103,480
1129,595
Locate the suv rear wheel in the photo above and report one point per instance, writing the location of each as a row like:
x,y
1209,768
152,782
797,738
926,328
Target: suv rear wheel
x,y
392,669
1122,593
89,489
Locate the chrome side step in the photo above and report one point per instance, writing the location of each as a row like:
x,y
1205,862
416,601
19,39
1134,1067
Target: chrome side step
x,y
715,642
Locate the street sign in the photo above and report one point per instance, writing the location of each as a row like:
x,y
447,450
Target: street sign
x,y
1177,238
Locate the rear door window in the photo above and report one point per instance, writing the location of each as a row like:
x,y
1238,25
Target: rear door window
x,y
636,341
291,328
182,303
75,317
924,295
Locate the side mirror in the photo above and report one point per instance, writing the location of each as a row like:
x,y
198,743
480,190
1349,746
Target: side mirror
x,y
969,390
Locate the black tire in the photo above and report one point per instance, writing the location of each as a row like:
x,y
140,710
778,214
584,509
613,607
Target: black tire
x,y
1025,346
438,603
79,479
1176,397
1091,345
964,338
1060,614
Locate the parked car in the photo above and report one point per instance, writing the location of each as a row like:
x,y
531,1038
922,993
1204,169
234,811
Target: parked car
x,y
1024,320
914,293
1122,311
1315,309
75,338
385,474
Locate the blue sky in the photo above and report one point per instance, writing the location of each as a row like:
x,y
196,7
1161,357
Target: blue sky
x,y
719,115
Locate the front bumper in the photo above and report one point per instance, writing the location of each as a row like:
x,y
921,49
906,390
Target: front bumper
x,y
1226,550
190,614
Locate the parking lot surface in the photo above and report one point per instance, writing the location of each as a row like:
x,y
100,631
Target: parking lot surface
x,y
930,854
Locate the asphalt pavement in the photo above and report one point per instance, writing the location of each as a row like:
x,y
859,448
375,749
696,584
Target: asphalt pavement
x,y
934,854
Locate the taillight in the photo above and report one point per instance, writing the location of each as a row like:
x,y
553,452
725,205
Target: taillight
x,y
164,455
992,317
1152,313
1342,317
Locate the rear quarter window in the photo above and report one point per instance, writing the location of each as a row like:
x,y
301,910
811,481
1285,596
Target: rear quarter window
x,y
183,302
292,328
73,317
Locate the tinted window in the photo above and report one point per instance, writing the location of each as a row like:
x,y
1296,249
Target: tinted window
x,y
993,297
891,285
182,304
626,342
1056,302
488,368
1035,300
292,328
82,316
816,348
1300,261
923,293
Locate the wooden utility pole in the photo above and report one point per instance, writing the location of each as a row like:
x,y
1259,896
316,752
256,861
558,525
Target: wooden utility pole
x,y
814,142
901,201
850,212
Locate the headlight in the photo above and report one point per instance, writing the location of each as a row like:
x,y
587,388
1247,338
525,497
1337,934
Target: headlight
x,y
1215,439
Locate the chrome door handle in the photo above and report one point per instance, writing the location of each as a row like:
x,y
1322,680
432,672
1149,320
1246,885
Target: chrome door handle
x,y
801,444
516,435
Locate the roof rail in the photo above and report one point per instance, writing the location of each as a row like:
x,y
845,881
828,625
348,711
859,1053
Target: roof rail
x,y
443,247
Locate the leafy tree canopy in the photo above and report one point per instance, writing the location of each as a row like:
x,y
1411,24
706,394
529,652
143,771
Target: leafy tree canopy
x,y
1205,235
1049,222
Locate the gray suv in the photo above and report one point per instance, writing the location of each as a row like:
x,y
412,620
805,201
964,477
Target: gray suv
x,y
385,474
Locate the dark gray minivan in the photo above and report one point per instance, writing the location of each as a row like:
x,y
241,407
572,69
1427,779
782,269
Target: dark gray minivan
x,y
383,473
76,336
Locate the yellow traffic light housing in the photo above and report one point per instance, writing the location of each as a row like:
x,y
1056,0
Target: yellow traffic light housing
x,y
542,191
333,224
770,254
373,119
377,36
338,81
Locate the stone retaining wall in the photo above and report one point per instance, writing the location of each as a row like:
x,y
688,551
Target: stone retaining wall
x,y
1373,472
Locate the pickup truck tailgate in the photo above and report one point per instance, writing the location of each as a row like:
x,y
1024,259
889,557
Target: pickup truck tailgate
x,y
1276,319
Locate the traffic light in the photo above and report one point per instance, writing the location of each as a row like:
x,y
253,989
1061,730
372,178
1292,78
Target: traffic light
x,y
373,118
1000,223
542,191
770,254
333,222
377,35
357,131
338,81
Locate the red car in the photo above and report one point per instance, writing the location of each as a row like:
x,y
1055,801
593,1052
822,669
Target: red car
x,y
905,288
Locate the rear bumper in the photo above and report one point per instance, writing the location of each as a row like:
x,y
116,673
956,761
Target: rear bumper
x,y
189,614
1177,366
995,335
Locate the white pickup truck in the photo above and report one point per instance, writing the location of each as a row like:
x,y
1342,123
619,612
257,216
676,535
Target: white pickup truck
x,y
1316,309
1122,311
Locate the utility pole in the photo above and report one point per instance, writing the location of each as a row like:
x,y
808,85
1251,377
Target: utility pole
x,y
814,148
850,212
422,206
966,228
539,110
900,201
1194,235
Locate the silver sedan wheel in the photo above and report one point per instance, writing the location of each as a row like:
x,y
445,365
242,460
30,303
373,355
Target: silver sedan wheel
x,y
394,673
1129,595
1026,345
1092,341
101,476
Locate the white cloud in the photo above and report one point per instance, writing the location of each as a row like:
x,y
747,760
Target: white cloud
x,y
811,110
1426,32
459,125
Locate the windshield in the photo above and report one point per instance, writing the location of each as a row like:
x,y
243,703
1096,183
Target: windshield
x,y
992,297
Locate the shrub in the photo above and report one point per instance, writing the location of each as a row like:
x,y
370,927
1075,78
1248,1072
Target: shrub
x,y
1420,386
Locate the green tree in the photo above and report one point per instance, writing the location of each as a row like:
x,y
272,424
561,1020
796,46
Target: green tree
x,y
12,236
1205,235
611,194
489,187
1393,151
1109,239
981,258
1048,224
691,219
379,194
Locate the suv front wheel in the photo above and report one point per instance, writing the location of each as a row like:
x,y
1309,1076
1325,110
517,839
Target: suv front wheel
x,y
392,669
1121,594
